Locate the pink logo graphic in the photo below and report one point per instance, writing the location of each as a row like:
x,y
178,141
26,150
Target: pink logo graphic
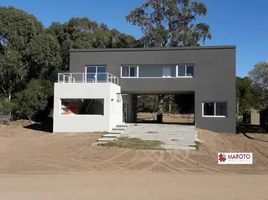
x,y
222,157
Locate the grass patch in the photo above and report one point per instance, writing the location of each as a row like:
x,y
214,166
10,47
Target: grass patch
x,y
134,143
196,145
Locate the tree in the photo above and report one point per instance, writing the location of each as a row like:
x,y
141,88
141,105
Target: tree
x,y
259,75
247,95
147,103
80,33
33,99
12,73
121,40
43,57
170,22
17,28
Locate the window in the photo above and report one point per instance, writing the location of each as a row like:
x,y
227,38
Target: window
x,y
129,71
82,106
221,109
215,109
189,71
209,109
185,71
96,73
166,72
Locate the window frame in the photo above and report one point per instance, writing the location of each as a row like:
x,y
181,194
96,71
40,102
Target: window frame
x,y
96,72
185,70
72,115
215,109
136,67
164,77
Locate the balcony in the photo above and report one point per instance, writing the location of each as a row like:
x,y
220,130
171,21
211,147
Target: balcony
x,y
87,78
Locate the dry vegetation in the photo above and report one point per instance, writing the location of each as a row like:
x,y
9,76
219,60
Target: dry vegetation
x,y
134,143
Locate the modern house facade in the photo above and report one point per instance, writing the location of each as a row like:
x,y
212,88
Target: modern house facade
x,y
206,72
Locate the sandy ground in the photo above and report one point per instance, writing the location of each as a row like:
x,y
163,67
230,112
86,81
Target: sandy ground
x,y
132,187
39,165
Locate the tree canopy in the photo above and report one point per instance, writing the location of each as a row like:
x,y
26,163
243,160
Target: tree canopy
x,y
80,33
259,75
31,56
33,99
248,96
170,22
17,28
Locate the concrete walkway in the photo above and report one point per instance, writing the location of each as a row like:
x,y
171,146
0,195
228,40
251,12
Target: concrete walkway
x,y
173,136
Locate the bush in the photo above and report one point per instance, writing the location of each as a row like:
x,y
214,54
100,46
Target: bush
x,y
33,99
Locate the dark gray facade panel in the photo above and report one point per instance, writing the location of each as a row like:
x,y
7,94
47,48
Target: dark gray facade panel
x,y
214,75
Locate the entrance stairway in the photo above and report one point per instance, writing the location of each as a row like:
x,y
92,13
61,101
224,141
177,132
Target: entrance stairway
x,y
114,134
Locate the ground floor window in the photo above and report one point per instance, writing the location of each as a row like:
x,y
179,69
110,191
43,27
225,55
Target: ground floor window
x,y
82,107
214,109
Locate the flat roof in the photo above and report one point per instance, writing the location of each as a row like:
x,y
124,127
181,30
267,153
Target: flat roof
x,y
153,48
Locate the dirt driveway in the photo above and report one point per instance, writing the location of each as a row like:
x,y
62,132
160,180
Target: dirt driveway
x,y
38,165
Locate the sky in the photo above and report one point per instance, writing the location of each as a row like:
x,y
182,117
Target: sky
x,y
243,23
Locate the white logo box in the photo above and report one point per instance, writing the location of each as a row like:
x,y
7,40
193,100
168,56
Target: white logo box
x,y
235,158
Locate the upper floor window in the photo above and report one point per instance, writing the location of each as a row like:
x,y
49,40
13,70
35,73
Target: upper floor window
x,y
214,109
157,71
129,71
185,71
96,73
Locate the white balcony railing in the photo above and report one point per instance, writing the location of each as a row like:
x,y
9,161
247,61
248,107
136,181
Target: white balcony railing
x,y
87,78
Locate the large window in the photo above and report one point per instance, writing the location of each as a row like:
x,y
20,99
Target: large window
x,y
214,109
185,71
129,71
96,73
157,71
82,106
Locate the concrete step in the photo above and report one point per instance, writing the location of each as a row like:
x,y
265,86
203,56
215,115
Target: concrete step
x,y
116,132
105,139
122,125
119,129
111,135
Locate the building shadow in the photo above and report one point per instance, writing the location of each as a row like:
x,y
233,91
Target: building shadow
x,y
156,122
248,130
41,126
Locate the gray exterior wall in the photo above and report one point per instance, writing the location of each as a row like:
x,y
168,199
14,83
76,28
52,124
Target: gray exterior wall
x,y
214,75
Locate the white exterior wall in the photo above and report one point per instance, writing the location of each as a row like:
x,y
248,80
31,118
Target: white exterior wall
x,y
87,123
116,106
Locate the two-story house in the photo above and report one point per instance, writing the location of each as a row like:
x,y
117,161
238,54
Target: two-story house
x,y
100,90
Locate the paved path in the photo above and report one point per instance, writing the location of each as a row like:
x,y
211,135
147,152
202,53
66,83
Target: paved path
x,y
173,136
